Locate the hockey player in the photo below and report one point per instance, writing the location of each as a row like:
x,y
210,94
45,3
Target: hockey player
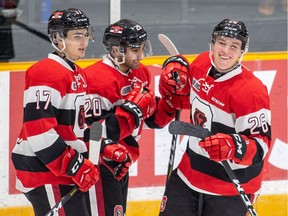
x,y
120,97
49,156
233,104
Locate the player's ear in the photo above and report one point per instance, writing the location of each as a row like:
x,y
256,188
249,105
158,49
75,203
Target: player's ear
x,y
241,53
115,49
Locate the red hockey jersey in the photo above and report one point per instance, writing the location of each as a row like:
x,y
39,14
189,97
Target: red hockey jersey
x,y
107,88
54,99
237,102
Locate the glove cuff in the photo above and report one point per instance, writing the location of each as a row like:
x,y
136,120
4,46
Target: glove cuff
x,y
240,146
177,58
169,110
135,110
104,143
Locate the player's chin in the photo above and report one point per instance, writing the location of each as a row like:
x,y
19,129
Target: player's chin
x,y
82,54
135,65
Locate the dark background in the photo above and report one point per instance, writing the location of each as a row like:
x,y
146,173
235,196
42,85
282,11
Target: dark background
x,y
188,23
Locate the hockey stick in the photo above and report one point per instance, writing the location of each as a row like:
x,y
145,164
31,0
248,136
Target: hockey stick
x,y
168,44
94,150
185,128
31,30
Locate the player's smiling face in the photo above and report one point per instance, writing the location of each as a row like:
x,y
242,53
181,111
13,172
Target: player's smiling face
x,y
133,56
226,52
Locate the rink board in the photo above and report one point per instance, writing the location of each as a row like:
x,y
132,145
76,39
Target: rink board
x,y
147,185
268,205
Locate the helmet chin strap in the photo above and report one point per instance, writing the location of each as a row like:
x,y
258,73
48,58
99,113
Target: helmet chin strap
x,y
61,51
57,48
220,70
115,60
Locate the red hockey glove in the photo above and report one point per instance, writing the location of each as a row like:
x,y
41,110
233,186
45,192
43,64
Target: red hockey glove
x,y
177,101
83,171
145,99
121,170
140,102
115,157
174,85
113,151
223,147
174,77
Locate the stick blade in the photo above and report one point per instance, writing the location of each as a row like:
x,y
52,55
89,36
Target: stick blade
x,y
95,142
168,44
95,131
185,128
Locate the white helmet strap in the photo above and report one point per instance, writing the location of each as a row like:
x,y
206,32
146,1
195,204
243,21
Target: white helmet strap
x,y
116,59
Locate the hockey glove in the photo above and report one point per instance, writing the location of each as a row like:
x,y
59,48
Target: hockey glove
x,y
174,85
177,101
82,171
223,147
121,170
174,76
141,103
113,151
115,157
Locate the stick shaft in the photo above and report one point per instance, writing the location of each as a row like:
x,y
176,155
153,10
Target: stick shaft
x,y
170,47
95,137
32,30
239,188
172,150
62,202
185,128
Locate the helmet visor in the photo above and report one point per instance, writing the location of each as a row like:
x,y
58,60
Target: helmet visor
x,y
147,48
62,34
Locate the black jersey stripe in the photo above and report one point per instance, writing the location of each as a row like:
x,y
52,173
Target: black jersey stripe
x,y
63,116
28,163
53,152
216,170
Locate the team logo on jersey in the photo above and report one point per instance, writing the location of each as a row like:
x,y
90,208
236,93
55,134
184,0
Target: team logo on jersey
x,y
125,90
138,83
206,87
79,80
199,118
163,203
196,84
118,210
74,86
201,84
